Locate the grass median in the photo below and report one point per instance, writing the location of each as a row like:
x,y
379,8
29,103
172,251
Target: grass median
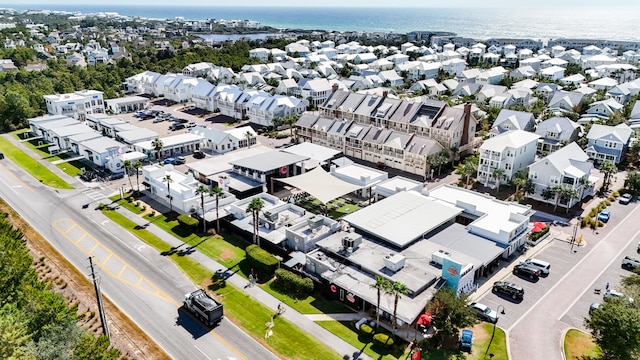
x,y
32,166
287,340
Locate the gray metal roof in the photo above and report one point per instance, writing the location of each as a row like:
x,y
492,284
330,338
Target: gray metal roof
x,y
268,161
402,218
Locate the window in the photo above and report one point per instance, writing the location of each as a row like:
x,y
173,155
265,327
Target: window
x,y
533,175
554,180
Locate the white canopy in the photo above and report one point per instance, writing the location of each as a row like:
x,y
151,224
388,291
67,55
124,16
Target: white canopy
x,y
320,184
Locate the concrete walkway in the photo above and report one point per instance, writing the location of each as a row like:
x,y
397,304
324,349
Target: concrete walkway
x,y
305,322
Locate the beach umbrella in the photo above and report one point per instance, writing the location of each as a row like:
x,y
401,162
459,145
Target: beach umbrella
x,y
539,224
425,319
536,229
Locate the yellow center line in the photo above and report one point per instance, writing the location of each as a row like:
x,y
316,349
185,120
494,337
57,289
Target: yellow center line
x,y
158,293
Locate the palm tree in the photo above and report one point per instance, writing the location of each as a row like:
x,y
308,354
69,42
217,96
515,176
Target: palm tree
x,y
217,191
157,146
470,168
498,174
291,121
397,289
441,159
584,184
454,152
127,167
570,194
136,166
381,285
202,190
255,206
608,168
248,135
167,179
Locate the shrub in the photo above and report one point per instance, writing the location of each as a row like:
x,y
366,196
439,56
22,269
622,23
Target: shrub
x,y
383,340
261,261
366,330
187,221
535,236
594,211
585,221
293,283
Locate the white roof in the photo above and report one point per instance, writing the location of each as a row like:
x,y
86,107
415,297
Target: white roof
x,y
402,218
171,141
320,184
312,151
510,139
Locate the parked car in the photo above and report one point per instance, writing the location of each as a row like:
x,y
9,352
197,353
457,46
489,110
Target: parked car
x,y
176,126
191,124
484,312
625,199
543,266
180,120
189,108
593,307
508,288
630,263
175,160
198,154
158,119
615,294
604,215
527,271
139,114
466,340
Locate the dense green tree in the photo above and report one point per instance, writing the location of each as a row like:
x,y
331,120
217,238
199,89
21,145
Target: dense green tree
x,y
632,182
450,313
254,207
615,327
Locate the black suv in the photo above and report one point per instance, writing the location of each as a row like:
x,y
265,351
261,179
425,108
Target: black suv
x,y
508,288
526,271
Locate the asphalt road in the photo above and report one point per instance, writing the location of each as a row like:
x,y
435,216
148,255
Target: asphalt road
x,y
553,304
141,282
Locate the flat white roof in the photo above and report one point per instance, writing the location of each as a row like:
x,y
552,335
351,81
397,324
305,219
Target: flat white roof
x,y
497,214
221,163
313,151
402,218
355,173
397,184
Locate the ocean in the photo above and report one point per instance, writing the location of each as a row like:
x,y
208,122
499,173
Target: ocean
x,y
610,23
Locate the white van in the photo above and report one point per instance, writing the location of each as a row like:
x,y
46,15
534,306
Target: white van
x,y
544,266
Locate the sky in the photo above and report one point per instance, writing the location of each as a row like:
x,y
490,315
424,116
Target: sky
x,y
329,3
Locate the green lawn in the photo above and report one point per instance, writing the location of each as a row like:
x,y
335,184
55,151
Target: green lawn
x,y
32,166
481,345
71,168
580,345
346,331
308,305
289,341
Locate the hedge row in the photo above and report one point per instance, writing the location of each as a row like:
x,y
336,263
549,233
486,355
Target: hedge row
x,y
261,261
293,283
187,221
381,339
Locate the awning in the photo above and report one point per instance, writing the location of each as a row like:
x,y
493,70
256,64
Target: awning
x,y
320,184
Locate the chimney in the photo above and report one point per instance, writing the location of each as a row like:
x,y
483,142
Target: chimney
x,y
465,126
385,93
334,87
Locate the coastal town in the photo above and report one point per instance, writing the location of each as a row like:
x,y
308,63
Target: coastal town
x,y
383,169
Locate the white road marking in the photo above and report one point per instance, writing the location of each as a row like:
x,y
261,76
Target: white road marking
x,y
203,353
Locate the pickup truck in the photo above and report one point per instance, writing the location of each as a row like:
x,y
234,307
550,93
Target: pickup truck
x,y
630,263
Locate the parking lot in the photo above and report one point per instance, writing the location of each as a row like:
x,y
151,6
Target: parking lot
x,y
563,257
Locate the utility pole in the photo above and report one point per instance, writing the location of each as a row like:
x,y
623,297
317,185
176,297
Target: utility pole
x,y
96,284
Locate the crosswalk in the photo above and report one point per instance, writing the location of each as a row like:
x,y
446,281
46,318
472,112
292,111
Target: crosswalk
x,y
93,194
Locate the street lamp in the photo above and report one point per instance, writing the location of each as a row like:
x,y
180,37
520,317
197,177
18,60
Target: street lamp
x,y
499,310
575,232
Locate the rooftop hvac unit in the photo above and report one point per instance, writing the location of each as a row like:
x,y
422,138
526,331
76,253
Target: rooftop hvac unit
x,y
270,216
394,262
315,222
438,256
351,241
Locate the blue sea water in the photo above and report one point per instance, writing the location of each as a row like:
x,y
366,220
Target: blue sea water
x,y
612,23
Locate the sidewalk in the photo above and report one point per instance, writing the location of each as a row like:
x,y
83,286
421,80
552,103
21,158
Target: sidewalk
x,y
304,322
